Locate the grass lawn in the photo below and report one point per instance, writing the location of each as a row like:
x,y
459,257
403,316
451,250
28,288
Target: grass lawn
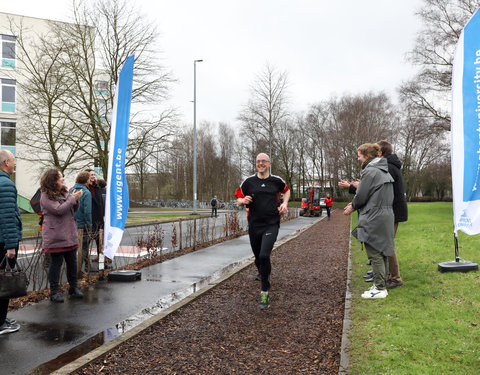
x,y
431,325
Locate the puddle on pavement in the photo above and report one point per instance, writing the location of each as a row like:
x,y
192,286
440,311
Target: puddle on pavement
x,y
76,352
70,334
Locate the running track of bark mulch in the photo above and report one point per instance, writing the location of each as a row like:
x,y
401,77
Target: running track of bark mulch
x,y
224,331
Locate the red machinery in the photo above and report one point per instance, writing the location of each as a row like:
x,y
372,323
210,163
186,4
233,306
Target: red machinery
x,y
312,205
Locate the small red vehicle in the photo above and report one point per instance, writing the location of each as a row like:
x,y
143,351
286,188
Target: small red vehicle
x,y
313,204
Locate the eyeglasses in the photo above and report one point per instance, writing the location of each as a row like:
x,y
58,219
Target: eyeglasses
x,y
263,161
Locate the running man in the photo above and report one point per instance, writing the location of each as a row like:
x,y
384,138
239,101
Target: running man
x,y
260,193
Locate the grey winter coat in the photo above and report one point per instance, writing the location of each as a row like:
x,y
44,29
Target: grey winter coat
x,y
373,202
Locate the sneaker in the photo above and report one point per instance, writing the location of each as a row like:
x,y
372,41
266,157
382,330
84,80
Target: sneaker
x,y
7,327
391,284
10,321
373,292
264,301
369,289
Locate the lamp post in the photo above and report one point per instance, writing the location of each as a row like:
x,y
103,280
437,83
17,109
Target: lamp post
x,y
195,135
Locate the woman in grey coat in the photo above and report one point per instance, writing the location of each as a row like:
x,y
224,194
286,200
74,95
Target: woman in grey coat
x,y
373,201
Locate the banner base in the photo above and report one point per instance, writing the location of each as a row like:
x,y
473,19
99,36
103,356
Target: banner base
x,y
460,266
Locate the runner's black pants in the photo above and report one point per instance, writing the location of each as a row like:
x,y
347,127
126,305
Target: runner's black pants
x,y
262,239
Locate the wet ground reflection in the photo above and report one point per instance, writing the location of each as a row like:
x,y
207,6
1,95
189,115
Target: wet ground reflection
x,y
80,350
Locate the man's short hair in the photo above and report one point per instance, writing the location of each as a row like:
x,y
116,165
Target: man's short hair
x,y
370,150
386,147
82,177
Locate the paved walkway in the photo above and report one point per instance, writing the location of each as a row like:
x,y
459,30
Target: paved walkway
x,y
51,335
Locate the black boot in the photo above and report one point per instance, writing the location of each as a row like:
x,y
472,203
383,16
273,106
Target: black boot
x,y
74,292
56,297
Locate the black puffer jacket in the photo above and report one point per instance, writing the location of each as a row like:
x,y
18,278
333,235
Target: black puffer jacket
x,y
400,209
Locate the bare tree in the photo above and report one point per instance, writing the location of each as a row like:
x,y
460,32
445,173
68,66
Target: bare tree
x,y
433,54
48,134
267,107
418,146
74,70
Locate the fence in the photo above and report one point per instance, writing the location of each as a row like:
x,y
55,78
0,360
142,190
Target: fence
x,y
142,242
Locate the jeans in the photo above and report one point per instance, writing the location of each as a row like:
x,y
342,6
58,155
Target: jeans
x,y
328,211
56,266
84,234
394,270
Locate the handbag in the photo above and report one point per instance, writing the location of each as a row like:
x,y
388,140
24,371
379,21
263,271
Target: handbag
x,y
13,281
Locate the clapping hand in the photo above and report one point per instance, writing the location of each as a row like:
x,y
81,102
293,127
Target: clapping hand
x,y
77,194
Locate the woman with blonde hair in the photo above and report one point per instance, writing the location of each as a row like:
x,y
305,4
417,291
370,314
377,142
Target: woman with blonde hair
x,y
373,201
59,234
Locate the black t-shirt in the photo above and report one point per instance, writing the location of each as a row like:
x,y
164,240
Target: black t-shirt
x,y
265,194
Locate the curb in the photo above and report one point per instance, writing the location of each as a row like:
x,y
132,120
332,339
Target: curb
x,y
344,349
169,304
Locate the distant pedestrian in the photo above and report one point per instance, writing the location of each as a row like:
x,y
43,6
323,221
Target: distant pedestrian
x,y
260,194
328,204
373,202
10,230
59,235
214,204
400,209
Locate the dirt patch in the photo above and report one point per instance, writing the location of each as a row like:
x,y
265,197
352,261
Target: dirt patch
x,y
224,331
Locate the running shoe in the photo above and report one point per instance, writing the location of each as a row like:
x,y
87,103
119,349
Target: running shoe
x,y
264,301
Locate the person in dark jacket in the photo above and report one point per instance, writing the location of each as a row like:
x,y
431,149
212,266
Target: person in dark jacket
x,y
83,217
400,209
98,208
214,204
10,230
59,234
373,202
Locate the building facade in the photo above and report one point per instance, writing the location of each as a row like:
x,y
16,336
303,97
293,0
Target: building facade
x,y
12,75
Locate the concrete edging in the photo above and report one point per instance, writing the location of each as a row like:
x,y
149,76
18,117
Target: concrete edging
x,y
344,349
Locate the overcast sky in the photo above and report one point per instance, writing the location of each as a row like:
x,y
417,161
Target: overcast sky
x,y
326,47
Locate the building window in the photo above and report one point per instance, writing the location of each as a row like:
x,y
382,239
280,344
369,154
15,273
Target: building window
x,y
8,136
102,109
101,88
7,95
8,51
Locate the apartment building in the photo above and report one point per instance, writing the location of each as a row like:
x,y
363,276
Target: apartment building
x,y
28,172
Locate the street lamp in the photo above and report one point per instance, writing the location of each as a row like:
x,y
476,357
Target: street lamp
x,y
195,135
